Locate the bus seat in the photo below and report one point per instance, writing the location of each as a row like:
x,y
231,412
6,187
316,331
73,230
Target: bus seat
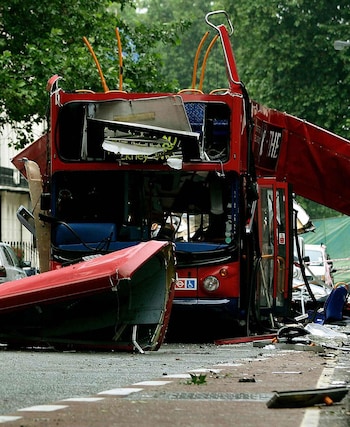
x,y
87,232
196,113
334,305
199,247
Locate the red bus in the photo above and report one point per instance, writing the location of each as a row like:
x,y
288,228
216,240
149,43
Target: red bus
x,y
122,168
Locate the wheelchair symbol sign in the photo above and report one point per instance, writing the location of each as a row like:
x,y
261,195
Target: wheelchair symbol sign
x,y
191,283
186,284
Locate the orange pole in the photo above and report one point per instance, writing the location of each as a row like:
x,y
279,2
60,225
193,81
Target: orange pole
x,y
103,81
120,54
195,65
205,60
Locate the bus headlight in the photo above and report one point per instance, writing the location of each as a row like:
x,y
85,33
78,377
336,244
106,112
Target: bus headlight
x,y
211,283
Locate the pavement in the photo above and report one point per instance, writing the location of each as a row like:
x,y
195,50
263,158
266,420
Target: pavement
x,y
221,395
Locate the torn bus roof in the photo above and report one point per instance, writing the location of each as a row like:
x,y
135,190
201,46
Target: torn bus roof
x,y
96,303
315,161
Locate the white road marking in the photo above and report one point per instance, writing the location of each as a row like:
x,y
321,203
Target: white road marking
x,y
120,391
312,415
7,418
311,418
83,399
205,371
153,383
229,364
183,376
44,408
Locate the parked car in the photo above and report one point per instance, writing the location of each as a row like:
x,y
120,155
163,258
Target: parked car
x,y
318,264
10,265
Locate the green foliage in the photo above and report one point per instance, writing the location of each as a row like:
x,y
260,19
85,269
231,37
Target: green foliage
x,y
315,210
286,57
178,59
198,379
40,39
36,39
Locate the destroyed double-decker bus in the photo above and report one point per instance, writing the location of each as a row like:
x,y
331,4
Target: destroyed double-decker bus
x,y
202,170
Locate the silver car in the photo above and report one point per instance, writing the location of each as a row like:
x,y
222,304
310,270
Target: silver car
x,y
10,266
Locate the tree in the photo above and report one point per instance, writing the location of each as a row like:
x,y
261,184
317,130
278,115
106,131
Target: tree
x,y
285,54
187,16
40,39
315,210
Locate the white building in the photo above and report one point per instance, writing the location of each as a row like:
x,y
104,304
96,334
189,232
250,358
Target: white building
x,y
14,192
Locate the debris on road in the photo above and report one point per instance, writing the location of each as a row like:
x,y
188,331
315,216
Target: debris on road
x,y
304,398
